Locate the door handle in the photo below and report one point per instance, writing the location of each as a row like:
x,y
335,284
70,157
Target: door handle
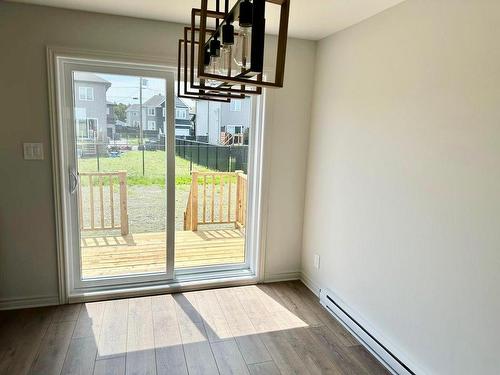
x,y
73,181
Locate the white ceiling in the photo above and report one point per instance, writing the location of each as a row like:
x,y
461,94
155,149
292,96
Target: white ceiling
x,y
309,19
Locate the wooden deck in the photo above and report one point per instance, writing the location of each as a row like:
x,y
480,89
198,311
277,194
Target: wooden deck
x,y
145,252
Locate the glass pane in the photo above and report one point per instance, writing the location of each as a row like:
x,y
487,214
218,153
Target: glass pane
x,y
211,182
119,129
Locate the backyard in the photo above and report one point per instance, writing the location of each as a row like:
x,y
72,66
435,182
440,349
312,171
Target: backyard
x,y
132,162
145,191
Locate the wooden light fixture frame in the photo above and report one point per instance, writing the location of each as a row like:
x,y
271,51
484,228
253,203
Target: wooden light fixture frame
x,y
224,87
243,78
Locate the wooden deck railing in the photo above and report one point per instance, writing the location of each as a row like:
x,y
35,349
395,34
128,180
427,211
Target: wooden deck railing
x,y
241,199
231,139
99,222
215,200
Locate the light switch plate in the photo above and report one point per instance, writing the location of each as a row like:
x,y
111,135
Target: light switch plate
x,y
33,151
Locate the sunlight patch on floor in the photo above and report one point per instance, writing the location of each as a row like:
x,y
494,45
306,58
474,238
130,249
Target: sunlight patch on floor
x,y
184,319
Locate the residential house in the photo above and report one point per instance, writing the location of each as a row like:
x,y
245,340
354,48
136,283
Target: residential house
x,y
183,119
153,116
91,107
222,123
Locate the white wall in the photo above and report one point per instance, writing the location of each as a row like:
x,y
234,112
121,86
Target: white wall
x,y
403,187
27,224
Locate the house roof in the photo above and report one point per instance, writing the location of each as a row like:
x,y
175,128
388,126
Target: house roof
x,y
156,101
180,103
90,77
132,107
159,99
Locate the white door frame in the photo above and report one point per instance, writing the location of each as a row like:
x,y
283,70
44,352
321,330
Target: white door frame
x,y
64,68
255,241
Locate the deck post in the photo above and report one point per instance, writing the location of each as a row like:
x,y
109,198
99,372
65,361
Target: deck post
x,y
187,214
194,201
238,196
122,177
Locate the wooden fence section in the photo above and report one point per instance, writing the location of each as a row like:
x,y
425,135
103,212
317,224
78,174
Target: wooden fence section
x,y
96,181
216,200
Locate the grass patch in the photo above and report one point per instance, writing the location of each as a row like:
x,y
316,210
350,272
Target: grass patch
x,y
132,162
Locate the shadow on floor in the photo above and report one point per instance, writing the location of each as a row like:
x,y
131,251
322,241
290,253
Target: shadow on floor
x,y
266,329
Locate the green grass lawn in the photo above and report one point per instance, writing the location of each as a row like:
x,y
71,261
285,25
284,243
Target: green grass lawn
x,y
131,161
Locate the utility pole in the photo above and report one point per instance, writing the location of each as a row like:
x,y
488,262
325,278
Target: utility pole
x,y
141,131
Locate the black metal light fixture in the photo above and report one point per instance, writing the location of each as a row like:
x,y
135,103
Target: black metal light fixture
x,y
199,89
228,60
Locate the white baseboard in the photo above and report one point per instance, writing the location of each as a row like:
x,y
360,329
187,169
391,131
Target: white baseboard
x,y
26,302
310,284
283,276
386,353
367,336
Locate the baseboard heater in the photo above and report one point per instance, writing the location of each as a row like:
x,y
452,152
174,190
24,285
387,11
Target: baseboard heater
x,y
337,308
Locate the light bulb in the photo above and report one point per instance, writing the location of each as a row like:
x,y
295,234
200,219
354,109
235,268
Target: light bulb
x,y
226,60
242,47
227,47
214,68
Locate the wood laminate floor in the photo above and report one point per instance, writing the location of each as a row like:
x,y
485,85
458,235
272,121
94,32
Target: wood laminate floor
x,y
265,329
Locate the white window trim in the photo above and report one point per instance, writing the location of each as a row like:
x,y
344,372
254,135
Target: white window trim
x,y
182,111
151,125
85,92
154,111
86,121
81,122
232,129
232,106
96,126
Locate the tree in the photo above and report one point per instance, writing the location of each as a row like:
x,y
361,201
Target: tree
x,y
119,110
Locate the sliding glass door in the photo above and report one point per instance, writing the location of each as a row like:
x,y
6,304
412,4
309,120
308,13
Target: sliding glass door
x,y
118,137
211,185
151,184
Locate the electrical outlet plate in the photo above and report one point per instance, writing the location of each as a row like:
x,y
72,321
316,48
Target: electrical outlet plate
x,y
316,261
33,151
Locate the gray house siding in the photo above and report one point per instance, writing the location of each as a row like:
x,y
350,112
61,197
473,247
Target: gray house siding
x,y
212,118
157,104
133,118
231,119
89,111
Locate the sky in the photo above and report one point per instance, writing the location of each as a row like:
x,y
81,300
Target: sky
x,y
125,89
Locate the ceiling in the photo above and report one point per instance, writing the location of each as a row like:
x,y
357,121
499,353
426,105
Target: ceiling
x,y
309,19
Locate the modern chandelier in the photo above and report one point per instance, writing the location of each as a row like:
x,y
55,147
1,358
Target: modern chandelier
x,y
221,55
